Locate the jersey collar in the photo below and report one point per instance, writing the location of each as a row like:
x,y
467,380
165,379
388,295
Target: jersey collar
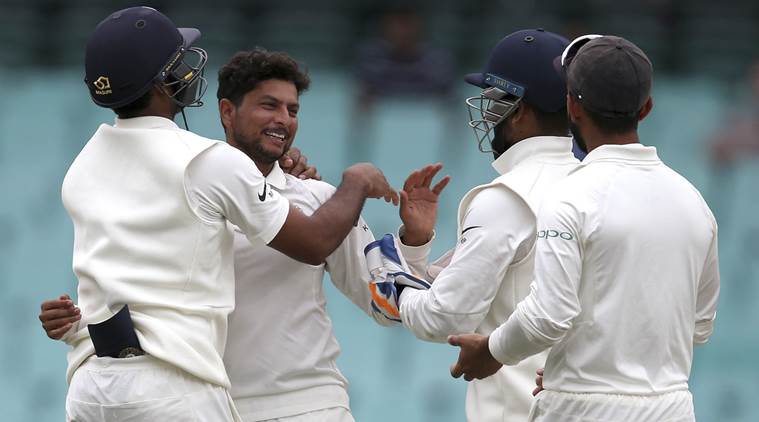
x,y
543,147
145,122
276,177
630,153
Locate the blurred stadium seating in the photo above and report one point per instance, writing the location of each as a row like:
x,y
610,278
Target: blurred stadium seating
x,y
699,49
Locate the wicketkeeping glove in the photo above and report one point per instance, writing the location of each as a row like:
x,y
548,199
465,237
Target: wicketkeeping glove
x,y
389,276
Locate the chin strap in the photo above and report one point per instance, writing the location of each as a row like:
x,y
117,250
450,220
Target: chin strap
x,y
184,117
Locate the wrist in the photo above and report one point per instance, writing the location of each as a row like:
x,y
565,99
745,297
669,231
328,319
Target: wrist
x,y
415,238
357,181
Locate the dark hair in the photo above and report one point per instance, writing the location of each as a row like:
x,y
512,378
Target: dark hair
x,y
552,122
135,108
617,125
246,69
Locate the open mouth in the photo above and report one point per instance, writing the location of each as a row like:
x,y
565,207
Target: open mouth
x,y
277,135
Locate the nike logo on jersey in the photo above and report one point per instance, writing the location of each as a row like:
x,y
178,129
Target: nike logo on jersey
x,y
262,196
470,228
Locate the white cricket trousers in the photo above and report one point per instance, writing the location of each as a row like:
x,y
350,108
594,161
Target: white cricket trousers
x,y
554,406
143,388
333,414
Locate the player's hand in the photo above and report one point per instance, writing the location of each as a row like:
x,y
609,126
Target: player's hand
x,y
374,182
58,316
538,382
295,163
475,360
419,204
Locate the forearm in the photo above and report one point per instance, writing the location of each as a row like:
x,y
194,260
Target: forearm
x,y
424,315
528,331
332,222
416,256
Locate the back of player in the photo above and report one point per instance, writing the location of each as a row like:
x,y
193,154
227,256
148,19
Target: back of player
x,y
626,270
648,239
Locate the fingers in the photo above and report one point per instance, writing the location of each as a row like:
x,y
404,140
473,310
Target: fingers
x,y
439,186
309,173
392,196
58,333
300,165
429,173
413,180
289,159
422,178
53,314
538,382
456,370
404,198
57,303
60,322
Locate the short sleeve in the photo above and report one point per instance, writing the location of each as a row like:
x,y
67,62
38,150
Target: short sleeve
x,y
223,183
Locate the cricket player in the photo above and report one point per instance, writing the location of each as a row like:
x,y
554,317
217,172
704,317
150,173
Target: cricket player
x,y
626,268
274,370
520,116
153,244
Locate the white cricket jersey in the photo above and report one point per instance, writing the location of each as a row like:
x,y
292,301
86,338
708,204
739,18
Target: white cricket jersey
x,y
627,278
150,205
281,350
491,269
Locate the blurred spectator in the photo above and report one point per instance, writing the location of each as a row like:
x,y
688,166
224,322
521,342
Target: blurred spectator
x,y
740,137
400,63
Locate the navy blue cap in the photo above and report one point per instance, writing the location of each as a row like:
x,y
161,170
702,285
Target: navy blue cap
x,y
128,51
524,60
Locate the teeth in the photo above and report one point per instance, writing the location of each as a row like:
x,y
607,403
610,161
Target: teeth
x,y
276,135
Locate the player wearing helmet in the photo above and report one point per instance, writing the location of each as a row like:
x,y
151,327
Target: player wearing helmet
x,y
152,240
626,268
519,116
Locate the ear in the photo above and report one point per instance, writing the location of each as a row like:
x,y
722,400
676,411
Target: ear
x,y
574,108
646,108
519,114
227,111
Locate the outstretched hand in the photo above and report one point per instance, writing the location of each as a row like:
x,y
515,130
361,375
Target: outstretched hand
x,y
475,360
419,203
58,316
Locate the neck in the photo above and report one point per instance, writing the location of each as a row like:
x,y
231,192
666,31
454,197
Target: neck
x,y
265,167
595,139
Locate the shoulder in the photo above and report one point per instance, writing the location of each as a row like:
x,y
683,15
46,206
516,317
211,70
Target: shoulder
x,y
222,154
315,192
492,202
193,139
321,190
687,186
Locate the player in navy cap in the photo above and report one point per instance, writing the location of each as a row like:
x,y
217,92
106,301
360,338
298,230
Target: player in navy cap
x,y
153,208
626,263
520,116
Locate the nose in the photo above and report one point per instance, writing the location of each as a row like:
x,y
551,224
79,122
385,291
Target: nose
x,y
282,116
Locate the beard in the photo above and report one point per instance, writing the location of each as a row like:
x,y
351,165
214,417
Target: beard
x,y
502,138
252,147
578,137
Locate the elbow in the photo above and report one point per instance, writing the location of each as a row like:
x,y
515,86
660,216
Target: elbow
x,y
437,328
315,258
703,332
316,254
